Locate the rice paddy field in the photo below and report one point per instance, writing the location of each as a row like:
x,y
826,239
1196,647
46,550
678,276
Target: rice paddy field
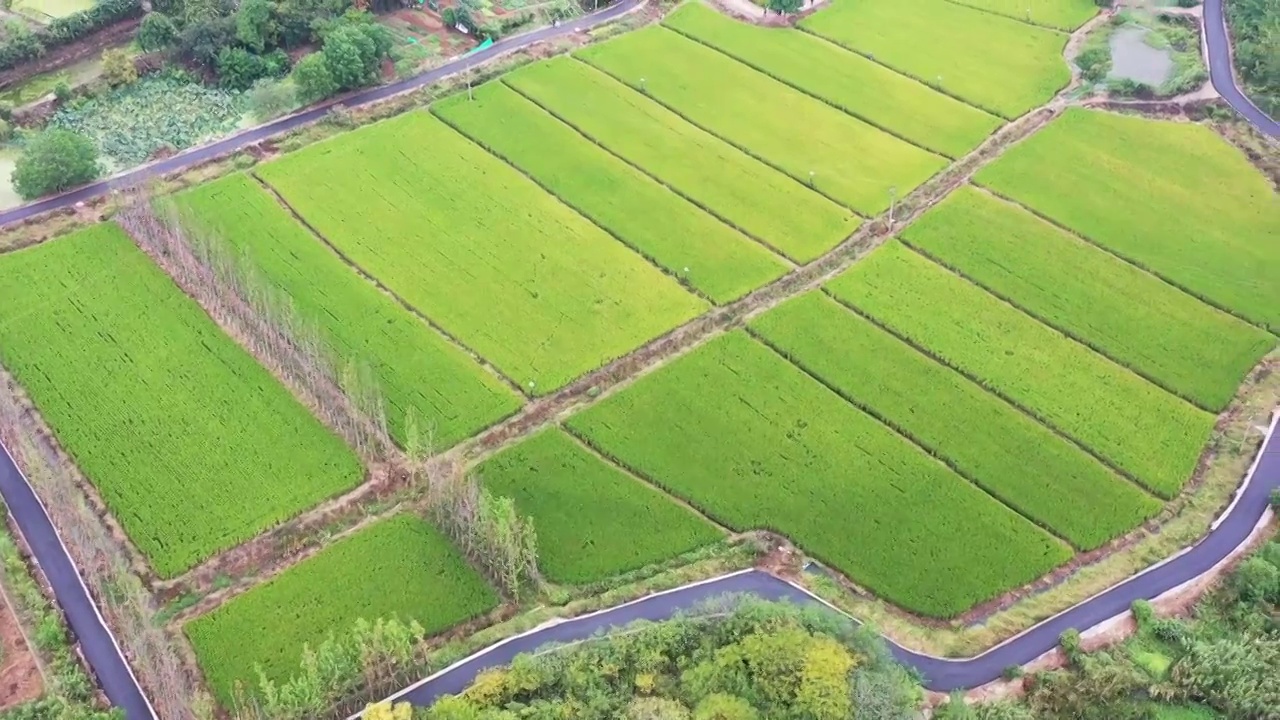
x,y
476,247
844,158
400,567
990,61
1172,198
192,444
1066,15
730,184
594,521
872,92
421,374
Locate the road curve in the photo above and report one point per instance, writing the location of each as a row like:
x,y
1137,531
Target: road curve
x,y
205,153
1222,74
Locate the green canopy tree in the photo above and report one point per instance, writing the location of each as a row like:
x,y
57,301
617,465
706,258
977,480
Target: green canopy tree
x,y
55,160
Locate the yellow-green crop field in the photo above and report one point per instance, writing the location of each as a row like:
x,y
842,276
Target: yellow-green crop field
x,y
754,442
851,82
1173,198
513,273
994,444
1061,14
1154,436
688,243
593,520
400,567
990,61
192,444
1185,346
419,372
846,159
727,182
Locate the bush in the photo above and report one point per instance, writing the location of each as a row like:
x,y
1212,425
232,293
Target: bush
x,y
312,80
1275,500
6,131
157,32
1094,63
53,161
62,92
1125,87
239,69
118,68
1256,581
1012,672
271,98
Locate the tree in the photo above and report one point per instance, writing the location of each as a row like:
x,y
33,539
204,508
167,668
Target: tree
x,y
386,711
157,32
312,79
239,69
653,708
53,161
1257,580
719,706
255,24
118,68
354,50
785,7
201,42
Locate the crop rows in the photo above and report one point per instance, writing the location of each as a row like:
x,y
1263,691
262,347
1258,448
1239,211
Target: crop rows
x,y
1138,320
593,520
844,79
736,187
192,444
687,242
1173,198
754,442
419,372
1012,456
507,269
845,158
1154,436
1061,14
993,62
400,567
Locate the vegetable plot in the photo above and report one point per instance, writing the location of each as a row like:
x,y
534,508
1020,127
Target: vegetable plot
x,y
685,241
755,443
730,184
194,446
996,63
421,374
1180,343
593,520
851,82
1005,452
844,158
400,567
1152,435
1173,198
507,269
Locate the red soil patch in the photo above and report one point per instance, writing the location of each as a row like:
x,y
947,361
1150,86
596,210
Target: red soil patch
x,y
20,679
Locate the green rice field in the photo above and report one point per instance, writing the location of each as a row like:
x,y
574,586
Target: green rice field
x,y
1002,450
851,82
420,373
846,159
688,243
401,567
1152,435
993,62
1064,15
1170,197
593,520
1167,336
754,442
510,271
727,182
192,444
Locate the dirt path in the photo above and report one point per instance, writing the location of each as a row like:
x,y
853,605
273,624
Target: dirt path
x,y
20,676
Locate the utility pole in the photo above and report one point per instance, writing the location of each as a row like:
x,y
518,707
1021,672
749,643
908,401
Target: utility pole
x,y
644,88
893,199
469,95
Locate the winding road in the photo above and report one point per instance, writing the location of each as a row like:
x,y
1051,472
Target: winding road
x,y
122,689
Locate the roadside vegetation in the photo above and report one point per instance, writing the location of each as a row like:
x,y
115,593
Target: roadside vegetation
x,y
1255,28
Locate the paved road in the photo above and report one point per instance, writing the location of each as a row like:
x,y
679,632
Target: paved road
x,y
201,154
1222,74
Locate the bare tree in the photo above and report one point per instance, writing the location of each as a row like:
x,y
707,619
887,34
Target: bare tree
x,y
489,531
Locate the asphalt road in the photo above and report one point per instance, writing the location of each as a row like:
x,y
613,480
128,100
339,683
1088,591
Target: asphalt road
x,y
1221,73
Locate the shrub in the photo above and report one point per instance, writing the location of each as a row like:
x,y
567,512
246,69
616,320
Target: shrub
x,y
1012,672
6,131
157,32
53,161
1257,580
312,79
271,98
1094,62
62,92
118,68
1143,613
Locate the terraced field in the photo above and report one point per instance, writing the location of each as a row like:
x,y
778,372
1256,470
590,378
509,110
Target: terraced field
x,y
754,442
593,520
510,271
732,185
421,374
184,435
989,61
401,567
1143,323
870,91
688,243
1141,429
1173,198
844,158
